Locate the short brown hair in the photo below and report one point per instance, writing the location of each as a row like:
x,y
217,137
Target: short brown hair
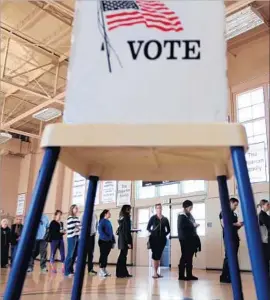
x,y
158,204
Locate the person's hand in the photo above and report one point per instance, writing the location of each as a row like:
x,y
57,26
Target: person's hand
x,y
129,246
239,224
197,225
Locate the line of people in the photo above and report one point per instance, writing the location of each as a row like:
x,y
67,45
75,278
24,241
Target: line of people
x,y
158,228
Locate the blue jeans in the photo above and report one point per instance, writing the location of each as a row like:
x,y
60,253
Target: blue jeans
x,y
72,245
13,252
57,244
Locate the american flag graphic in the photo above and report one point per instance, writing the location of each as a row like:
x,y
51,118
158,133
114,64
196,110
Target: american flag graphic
x,y
151,13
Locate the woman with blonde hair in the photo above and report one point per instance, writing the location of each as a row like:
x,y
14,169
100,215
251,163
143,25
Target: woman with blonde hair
x,y
5,241
73,232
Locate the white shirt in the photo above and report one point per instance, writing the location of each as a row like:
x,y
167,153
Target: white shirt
x,y
94,225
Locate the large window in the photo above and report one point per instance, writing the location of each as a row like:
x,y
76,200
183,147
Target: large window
x,y
193,186
250,108
143,219
198,213
169,189
145,192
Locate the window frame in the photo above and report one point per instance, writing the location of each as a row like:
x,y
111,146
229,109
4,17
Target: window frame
x,y
260,82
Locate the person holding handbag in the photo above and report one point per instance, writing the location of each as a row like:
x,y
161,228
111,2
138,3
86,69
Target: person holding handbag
x,y
159,229
264,222
124,241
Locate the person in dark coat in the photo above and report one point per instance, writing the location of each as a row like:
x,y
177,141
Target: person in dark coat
x,y
264,222
225,276
5,241
124,241
189,241
16,232
159,229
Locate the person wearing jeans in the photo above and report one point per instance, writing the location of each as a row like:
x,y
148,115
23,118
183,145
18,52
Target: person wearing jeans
x,y
106,241
124,241
16,231
73,231
56,232
91,247
40,246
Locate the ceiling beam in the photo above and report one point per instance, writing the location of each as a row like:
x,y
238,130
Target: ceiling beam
x,y
25,89
35,45
35,109
61,7
238,5
31,135
31,70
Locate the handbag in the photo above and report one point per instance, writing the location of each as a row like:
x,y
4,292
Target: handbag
x,y
47,236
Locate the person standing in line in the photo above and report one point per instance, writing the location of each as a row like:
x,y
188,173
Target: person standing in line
x,y
73,232
225,275
5,241
124,241
40,246
56,233
106,241
159,228
91,246
16,232
264,222
189,241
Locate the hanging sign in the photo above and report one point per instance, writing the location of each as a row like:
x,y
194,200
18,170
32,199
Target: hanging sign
x,y
256,162
78,189
108,193
123,192
20,204
149,183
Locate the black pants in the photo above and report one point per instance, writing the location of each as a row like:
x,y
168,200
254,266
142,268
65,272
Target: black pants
x,y
266,250
90,252
105,249
186,260
121,267
4,255
225,270
40,248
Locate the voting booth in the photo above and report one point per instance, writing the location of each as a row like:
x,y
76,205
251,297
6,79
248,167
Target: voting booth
x,y
147,99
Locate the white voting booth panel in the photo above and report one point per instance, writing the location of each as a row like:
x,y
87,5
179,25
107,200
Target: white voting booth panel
x,y
147,62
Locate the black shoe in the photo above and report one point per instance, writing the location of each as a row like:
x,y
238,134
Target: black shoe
x,y
182,278
129,275
224,280
191,277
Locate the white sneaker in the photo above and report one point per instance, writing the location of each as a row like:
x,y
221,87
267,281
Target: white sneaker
x,y
107,273
102,273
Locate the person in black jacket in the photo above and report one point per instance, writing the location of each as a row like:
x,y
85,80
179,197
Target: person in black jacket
x,y
189,241
5,241
124,241
16,232
264,221
225,275
159,228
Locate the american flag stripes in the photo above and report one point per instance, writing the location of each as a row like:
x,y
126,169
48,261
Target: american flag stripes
x,y
151,13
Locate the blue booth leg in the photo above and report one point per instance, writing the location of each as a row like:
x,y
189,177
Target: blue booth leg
x,y
26,244
229,240
251,224
85,235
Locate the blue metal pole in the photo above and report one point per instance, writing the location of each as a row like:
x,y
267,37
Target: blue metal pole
x,y
26,244
229,240
251,224
85,235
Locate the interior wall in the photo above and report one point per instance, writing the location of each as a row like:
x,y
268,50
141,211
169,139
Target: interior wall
x,y
18,175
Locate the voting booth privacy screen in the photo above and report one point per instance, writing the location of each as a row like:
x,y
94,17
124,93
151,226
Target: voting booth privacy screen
x,y
147,62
